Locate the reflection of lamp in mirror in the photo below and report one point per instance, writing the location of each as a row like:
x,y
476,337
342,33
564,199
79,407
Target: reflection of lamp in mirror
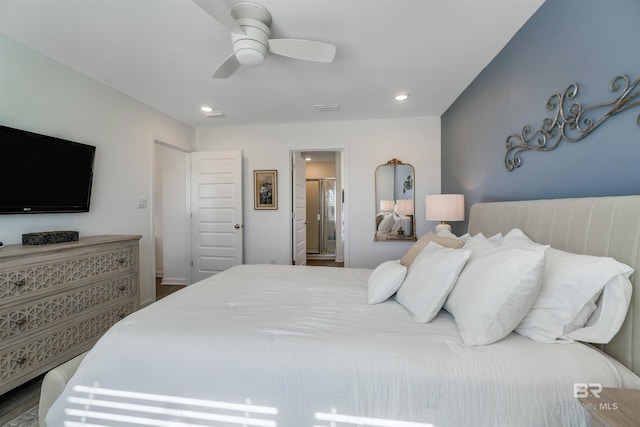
x,y
405,211
445,207
386,205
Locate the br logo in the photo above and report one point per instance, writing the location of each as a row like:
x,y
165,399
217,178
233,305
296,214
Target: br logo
x,y
584,389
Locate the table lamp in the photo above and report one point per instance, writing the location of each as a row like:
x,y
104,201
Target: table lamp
x,y
386,205
405,211
445,207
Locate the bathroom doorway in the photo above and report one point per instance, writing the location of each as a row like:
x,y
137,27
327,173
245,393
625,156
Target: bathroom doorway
x,y
321,218
318,207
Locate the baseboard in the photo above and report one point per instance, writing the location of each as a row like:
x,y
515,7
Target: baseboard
x,y
147,302
173,281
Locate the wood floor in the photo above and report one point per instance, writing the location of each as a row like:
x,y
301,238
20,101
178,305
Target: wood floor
x,y
21,399
324,262
164,290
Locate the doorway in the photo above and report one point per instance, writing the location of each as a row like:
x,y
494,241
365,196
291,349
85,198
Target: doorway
x,y
196,214
170,212
321,218
318,207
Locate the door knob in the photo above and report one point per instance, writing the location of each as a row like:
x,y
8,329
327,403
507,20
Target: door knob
x,y
236,226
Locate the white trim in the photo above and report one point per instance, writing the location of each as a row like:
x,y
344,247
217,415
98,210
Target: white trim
x,y
174,281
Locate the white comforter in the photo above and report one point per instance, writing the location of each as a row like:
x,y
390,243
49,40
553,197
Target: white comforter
x,y
297,346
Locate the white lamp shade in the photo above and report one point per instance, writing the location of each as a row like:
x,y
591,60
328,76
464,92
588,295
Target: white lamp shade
x,y
405,207
445,207
386,205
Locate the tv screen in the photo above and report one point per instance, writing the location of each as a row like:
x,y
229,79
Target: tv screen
x,y
43,174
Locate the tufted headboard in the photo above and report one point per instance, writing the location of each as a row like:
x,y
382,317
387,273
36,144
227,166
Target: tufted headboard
x,y
601,226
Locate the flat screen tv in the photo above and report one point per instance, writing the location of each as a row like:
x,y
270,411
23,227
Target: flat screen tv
x,y
43,174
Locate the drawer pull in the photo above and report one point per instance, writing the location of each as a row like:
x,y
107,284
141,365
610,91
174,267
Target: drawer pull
x,y
121,260
20,283
122,315
21,322
122,287
21,361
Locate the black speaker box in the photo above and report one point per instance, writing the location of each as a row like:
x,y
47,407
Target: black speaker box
x,y
49,237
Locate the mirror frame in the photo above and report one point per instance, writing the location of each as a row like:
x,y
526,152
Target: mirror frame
x,y
409,184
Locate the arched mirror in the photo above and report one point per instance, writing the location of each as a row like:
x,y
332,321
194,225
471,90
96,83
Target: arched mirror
x,y
395,201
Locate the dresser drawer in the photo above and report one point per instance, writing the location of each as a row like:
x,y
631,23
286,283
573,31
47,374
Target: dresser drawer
x,y
19,320
35,356
32,279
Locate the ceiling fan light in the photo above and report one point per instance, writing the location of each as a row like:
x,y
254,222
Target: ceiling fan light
x,y
251,48
250,57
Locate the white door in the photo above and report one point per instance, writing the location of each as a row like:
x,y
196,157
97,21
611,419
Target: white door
x,y
299,210
216,209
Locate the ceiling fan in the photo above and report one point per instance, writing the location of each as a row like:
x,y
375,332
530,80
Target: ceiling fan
x,y
249,25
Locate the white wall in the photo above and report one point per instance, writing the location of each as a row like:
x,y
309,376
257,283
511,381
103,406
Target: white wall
x,y
321,170
44,96
366,144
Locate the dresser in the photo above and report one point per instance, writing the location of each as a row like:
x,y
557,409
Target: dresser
x,y
57,300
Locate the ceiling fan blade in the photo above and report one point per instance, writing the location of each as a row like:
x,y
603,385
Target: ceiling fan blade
x,y
306,50
220,13
228,67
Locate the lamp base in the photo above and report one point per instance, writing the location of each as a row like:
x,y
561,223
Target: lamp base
x,y
443,226
406,225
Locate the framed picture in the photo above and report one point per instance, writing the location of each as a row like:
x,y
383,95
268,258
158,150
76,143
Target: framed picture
x,y
265,184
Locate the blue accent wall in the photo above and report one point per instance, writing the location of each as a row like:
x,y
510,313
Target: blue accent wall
x,y
583,41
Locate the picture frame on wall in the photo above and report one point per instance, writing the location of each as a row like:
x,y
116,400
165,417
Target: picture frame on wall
x,y
265,184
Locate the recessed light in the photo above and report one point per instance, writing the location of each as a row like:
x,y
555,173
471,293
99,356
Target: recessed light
x,y
402,96
307,159
206,109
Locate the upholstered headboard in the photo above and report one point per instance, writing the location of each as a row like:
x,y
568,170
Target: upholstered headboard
x,y
601,226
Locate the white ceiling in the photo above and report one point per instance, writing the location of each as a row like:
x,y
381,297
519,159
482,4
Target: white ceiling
x,y
163,53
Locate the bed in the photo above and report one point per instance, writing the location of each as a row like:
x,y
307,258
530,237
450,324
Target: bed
x,y
300,346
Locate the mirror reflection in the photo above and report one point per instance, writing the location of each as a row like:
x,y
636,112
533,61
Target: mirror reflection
x,y
395,218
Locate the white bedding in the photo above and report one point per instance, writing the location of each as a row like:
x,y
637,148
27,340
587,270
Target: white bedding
x,y
303,342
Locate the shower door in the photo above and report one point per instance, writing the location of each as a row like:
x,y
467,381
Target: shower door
x,y
321,217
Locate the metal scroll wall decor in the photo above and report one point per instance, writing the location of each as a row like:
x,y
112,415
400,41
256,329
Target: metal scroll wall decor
x,y
571,121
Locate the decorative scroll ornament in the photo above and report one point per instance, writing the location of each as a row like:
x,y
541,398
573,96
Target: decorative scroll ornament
x,y
394,162
570,122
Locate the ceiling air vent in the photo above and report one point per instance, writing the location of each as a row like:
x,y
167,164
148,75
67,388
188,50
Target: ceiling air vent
x,y
215,114
327,107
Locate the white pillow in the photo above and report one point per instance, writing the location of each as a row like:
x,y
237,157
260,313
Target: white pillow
x,y
570,287
607,319
385,280
446,233
397,223
495,290
567,300
386,224
429,280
